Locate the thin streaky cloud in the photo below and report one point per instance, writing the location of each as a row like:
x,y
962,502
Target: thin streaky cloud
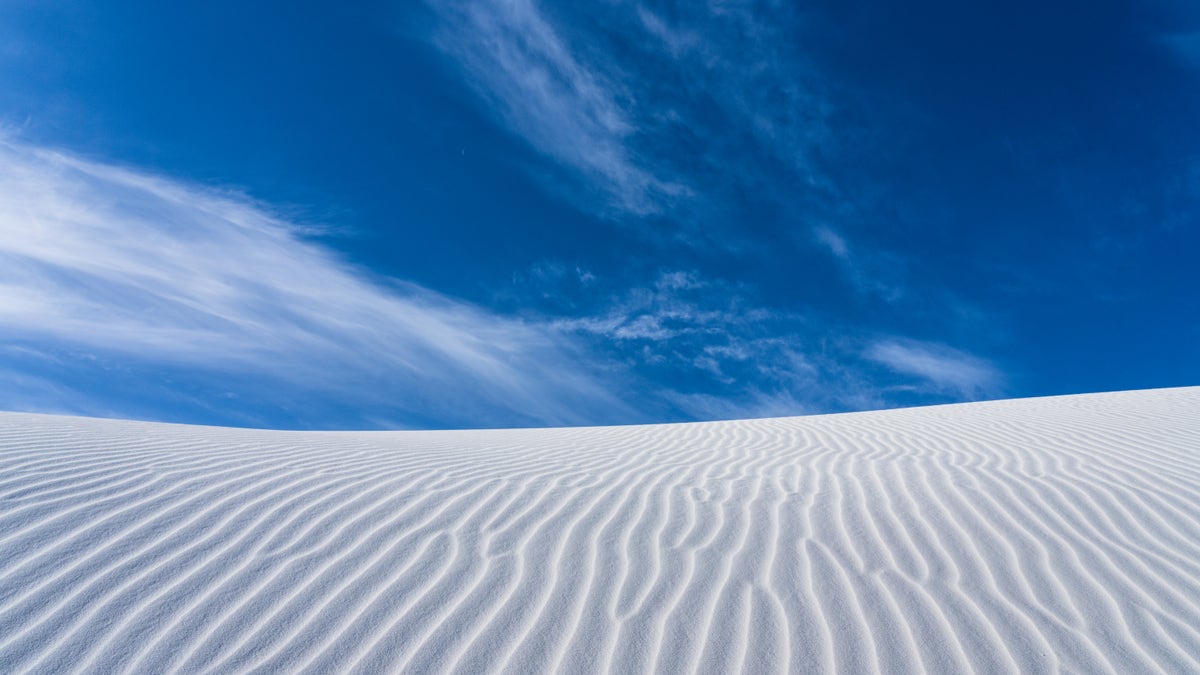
x,y
113,261
567,109
833,242
108,265
729,356
869,272
943,368
620,110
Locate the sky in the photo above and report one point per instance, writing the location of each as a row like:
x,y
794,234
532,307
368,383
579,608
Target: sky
x,y
452,214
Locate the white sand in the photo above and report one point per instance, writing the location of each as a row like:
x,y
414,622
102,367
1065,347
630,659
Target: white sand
x,y
1025,536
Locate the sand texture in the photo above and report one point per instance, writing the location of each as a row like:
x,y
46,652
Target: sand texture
x,y
1034,535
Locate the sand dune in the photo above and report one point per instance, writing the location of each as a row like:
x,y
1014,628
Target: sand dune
x,y
1036,535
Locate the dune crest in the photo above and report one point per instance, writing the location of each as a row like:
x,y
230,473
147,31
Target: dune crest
x,y
1029,535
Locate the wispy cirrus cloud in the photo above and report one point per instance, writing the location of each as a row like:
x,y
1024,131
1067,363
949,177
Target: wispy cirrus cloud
x,y
869,272
940,367
648,115
568,109
722,100
98,261
710,350
120,287
731,101
681,115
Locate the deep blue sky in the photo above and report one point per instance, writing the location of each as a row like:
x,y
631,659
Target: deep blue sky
x,y
515,213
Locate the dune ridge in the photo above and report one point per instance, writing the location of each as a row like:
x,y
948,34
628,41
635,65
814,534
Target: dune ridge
x,y
1032,535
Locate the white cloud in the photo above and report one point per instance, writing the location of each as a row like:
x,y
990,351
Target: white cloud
x,y
568,110
679,304
944,368
656,115
726,356
870,272
120,262
833,242
103,265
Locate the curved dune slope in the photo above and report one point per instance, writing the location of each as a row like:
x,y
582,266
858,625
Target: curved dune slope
x,y
1015,536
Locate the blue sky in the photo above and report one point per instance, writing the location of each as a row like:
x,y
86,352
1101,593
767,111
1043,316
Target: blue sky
x,y
477,214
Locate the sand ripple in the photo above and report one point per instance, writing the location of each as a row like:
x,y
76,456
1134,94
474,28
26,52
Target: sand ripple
x,y
1024,536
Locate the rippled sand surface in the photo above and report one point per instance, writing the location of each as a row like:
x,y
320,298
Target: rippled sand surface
x,y
1027,536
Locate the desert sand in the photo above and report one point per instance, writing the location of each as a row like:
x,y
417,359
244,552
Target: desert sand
x,y
1032,535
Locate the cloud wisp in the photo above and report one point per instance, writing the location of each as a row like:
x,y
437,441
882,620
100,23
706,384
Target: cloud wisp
x,y
106,265
101,260
866,272
645,115
710,351
568,110
723,101
944,369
